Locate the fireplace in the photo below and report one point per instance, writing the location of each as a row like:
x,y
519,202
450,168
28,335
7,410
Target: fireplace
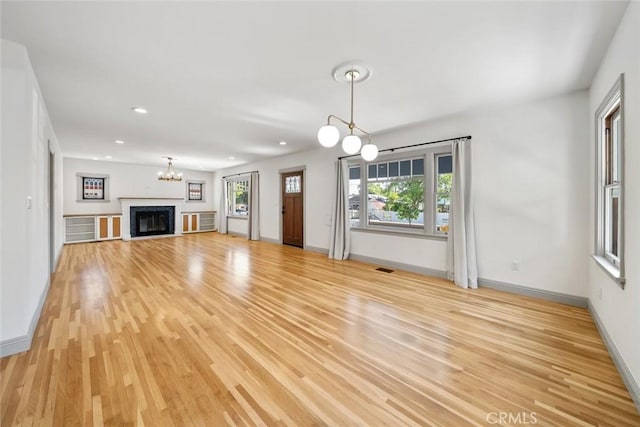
x,y
151,220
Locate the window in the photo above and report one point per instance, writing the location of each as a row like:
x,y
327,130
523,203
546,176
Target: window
x,y
407,194
609,184
395,193
292,184
238,197
92,187
444,175
354,195
195,191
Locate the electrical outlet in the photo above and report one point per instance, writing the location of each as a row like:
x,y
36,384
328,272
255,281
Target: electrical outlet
x,y
515,265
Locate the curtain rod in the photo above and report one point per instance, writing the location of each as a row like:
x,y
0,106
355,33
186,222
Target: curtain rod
x,y
468,137
238,174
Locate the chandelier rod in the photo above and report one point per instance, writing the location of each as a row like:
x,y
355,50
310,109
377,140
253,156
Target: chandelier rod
x,y
468,138
238,174
364,132
352,124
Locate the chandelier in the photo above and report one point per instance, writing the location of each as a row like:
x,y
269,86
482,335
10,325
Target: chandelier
x,y
328,135
169,174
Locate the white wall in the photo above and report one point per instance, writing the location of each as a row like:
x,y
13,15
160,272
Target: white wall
x,y
619,310
530,176
129,180
530,173
27,139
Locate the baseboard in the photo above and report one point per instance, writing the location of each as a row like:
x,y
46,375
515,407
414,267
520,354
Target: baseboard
x,y
485,283
632,385
316,249
536,293
15,345
306,247
236,234
23,342
399,266
270,240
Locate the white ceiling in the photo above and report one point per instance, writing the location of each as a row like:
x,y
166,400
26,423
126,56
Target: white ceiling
x,y
225,79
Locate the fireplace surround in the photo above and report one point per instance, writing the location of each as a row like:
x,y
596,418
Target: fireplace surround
x,y
151,220
150,203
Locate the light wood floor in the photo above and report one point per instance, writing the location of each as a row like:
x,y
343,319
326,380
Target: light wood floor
x,y
213,330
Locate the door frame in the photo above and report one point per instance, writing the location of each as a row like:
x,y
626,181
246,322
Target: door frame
x,y
51,196
303,170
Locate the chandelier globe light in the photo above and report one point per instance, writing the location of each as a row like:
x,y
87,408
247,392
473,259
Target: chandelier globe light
x,y
369,152
170,173
351,144
329,135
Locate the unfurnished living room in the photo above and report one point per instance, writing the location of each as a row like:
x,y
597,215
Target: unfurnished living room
x,y
338,213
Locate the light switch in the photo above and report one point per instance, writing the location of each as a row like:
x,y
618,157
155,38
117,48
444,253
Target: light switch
x,y
29,202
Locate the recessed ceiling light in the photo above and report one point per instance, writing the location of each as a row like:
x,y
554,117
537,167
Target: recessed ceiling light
x,y
119,141
94,158
139,110
107,157
232,158
282,143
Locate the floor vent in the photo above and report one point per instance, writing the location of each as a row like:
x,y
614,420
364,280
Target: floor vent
x,y
384,270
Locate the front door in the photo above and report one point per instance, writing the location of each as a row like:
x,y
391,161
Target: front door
x,y
292,208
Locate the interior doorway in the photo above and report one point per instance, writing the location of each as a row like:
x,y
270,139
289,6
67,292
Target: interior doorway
x,y
293,208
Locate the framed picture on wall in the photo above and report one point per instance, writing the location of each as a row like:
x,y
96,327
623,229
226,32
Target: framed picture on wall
x,y
92,188
194,191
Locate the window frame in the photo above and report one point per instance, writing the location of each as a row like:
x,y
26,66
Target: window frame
x,y
233,182
428,230
611,106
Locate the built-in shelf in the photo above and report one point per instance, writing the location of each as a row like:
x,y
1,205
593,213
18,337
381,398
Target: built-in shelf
x,y
79,229
208,221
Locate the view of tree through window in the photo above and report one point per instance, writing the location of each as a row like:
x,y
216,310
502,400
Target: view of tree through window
x,y
395,194
443,192
238,197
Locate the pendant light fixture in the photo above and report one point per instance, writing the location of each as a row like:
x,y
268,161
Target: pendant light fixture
x,y
329,135
169,174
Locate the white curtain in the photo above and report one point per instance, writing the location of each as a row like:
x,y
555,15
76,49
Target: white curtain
x,y
223,208
340,242
461,243
254,207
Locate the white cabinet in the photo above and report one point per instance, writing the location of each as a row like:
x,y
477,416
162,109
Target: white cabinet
x,y
79,229
108,227
193,222
189,222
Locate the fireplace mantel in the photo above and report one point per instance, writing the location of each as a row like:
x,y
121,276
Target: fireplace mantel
x,y
128,202
150,198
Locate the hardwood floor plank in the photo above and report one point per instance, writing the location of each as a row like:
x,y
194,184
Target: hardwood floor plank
x,y
208,329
